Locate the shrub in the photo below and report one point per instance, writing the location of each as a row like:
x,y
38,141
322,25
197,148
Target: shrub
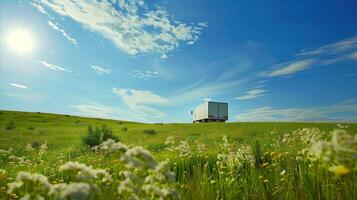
x,y
10,126
124,129
36,144
97,135
149,131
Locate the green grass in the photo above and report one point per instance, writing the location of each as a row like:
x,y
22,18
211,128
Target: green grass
x,y
197,177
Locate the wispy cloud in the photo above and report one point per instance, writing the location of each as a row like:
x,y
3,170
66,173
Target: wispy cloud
x,y
18,85
39,7
252,94
54,67
324,113
290,68
63,32
132,26
331,49
145,74
340,51
140,101
101,70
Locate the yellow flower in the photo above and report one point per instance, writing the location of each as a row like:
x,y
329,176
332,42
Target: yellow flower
x,y
340,170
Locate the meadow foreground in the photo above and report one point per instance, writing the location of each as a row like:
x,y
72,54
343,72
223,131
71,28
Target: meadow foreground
x,y
42,156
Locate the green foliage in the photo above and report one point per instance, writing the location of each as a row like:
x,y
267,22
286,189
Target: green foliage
x,y
149,131
124,129
10,126
36,144
31,128
97,135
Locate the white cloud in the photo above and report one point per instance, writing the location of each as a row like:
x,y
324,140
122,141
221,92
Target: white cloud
x,y
163,56
340,51
145,74
252,94
101,70
54,67
95,110
323,113
331,49
39,8
18,85
290,68
138,101
63,32
353,55
130,25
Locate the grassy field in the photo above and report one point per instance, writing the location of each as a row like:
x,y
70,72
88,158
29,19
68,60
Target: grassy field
x,y
257,161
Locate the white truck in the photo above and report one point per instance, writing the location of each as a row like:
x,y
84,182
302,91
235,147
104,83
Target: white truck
x,y
211,112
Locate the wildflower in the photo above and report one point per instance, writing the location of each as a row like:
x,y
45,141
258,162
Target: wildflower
x,y
138,157
245,156
341,141
201,148
35,185
184,149
322,150
81,172
266,181
282,173
340,170
29,147
4,152
170,144
43,148
110,146
80,191
162,172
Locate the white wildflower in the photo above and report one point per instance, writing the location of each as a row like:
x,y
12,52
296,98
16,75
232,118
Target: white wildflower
x,y
170,143
244,156
110,146
138,157
184,149
78,191
342,141
4,152
82,172
29,147
282,173
36,186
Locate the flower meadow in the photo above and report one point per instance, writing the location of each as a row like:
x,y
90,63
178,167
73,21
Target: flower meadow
x,y
302,163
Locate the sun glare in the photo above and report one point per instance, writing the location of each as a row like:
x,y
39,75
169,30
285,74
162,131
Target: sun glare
x,y
20,41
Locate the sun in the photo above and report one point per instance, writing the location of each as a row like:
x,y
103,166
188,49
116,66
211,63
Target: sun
x,y
21,41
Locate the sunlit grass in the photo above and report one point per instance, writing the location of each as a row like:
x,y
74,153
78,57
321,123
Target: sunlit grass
x,y
254,161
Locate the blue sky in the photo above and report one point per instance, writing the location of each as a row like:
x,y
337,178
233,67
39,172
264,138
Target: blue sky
x,y
154,61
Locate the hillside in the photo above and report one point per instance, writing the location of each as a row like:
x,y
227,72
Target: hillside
x,y
255,161
61,131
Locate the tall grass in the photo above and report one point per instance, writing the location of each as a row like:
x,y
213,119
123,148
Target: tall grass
x,y
275,162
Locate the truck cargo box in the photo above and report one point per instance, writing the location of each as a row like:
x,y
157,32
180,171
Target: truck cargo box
x,y
211,112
